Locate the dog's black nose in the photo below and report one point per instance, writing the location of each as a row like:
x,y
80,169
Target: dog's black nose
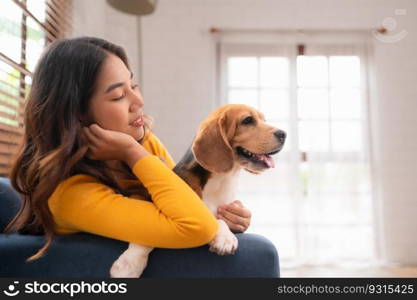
x,y
281,135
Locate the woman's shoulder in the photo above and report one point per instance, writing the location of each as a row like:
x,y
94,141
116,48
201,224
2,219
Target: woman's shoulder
x,y
149,137
152,143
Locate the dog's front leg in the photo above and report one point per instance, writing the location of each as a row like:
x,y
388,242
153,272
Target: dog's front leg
x,y
225,242
132,262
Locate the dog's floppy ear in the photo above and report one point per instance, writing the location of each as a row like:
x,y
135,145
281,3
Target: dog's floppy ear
x,y
211,146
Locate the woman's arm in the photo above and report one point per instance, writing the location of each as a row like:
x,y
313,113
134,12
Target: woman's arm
x,y
176,218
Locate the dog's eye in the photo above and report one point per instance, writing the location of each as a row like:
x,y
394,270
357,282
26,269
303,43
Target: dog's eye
x,y
248,120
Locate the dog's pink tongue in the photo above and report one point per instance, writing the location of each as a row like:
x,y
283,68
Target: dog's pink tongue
x,y
268,160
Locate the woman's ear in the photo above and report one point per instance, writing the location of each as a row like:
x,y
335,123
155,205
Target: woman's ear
x,y
211,147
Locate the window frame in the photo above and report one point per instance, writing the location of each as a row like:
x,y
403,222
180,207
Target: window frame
x,y
290,49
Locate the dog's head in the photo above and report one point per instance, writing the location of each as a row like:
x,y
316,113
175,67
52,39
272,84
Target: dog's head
x,y
236,134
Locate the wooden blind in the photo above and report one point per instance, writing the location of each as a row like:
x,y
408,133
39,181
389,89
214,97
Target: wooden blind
x,y
26,28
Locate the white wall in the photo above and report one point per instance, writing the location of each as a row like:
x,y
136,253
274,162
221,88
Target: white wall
x,y
97,18
179,80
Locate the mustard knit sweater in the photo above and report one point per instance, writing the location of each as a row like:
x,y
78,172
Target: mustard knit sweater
x,y
176,217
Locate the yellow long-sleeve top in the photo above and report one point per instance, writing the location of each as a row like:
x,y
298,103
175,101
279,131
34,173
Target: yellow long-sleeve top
x,y
176,217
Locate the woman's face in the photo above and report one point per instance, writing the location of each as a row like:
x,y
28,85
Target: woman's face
x,y
117,102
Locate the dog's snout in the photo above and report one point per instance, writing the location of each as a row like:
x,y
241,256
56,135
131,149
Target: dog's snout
x,y
281,135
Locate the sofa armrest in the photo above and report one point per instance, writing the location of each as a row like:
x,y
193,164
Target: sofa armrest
x,y
84,255
9,203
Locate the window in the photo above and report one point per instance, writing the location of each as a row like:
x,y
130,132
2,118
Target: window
x,y
316,203
26,27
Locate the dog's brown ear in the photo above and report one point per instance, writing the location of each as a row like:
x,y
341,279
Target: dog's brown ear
x,y
211,146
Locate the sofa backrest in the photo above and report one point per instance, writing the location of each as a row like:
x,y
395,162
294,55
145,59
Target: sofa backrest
x,y
9,202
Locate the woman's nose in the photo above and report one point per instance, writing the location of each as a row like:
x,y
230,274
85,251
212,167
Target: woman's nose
x,y
135,107
137,103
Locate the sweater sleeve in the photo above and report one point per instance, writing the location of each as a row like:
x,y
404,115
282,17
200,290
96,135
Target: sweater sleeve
x,y
177,217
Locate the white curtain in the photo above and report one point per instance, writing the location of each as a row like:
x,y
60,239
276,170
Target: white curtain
x,y
336,208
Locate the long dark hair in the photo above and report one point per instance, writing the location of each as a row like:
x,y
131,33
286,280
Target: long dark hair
x,y
53,148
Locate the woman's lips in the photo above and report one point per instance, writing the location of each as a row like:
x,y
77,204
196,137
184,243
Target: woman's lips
x,y
138,122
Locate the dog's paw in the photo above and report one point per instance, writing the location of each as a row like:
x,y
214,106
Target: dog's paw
x,y
128,266
224,243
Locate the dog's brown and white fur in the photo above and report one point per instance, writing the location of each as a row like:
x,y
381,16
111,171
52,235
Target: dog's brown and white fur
x,y
231,138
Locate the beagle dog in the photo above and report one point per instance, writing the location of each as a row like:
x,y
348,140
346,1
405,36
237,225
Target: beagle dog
x,y
232,138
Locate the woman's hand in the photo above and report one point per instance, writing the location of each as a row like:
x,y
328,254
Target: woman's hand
x,y
106,144
236,216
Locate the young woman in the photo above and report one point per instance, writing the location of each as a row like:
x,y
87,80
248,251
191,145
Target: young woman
x,y
87,144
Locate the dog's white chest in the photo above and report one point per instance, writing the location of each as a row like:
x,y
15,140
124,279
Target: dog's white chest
x,y
220,189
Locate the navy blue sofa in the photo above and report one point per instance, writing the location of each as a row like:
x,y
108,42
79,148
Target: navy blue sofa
x,y
85,255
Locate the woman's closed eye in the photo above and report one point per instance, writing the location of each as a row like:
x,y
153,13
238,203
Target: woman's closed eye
x,y
119,98
135,86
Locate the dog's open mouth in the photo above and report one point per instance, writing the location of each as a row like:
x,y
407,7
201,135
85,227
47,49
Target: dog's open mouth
x,y
265,159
